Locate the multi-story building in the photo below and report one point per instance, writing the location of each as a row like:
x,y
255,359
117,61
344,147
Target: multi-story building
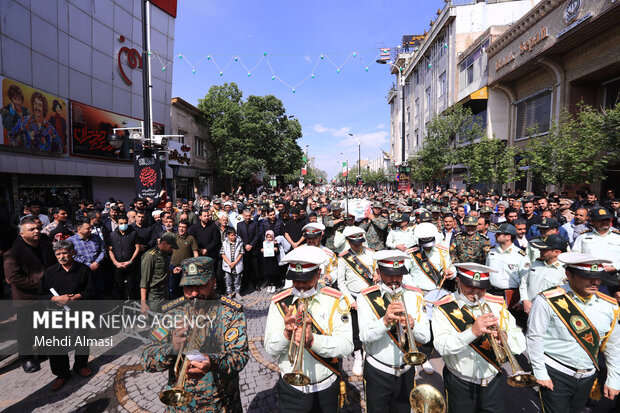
x,y
558,54
191,156
71,71
429,79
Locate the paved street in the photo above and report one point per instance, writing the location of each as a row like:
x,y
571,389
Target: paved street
x,y
120,385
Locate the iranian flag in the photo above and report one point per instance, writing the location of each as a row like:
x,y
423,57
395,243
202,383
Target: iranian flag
x,y
344,169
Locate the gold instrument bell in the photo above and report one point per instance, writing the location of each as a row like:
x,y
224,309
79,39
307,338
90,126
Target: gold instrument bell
x,y
426,399
296,355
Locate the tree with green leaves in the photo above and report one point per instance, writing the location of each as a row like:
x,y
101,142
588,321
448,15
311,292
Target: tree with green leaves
x,y
250,136
577,148
491,161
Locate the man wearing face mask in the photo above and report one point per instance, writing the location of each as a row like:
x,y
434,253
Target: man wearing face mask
x,y
430,261
124,249
356,271
461,335
388,379
327,337
313,233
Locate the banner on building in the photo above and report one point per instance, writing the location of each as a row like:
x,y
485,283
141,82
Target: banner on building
x,y
93,135
147,173
179,154
32,120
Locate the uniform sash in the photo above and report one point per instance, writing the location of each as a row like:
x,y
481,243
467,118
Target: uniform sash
x,y
379,307
358,267
461,320
331,363
427,267
577,323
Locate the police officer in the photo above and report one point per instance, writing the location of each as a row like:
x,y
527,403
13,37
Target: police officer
x,y
546,272
154,273
470,245
602,240
327,338
510,262
401,236
546,227
313,232
376,227
356,271
340,241
567,328
388,380
213,378
461,335
333,222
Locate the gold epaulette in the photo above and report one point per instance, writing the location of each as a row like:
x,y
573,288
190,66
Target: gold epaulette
x,y
332,292
172,304
282,295
606,298
231,303
369,290
554,292
494,299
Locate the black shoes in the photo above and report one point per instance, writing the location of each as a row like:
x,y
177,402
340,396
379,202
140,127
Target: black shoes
x,y
31,366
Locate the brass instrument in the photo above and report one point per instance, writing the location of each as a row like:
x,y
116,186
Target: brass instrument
x,y
296,355
518,377
412,356
426,399
177,395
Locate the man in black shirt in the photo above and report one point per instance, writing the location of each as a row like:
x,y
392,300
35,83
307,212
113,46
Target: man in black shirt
x,y
528,215
293,228
124,249
207,235
71,281
249,232
144,232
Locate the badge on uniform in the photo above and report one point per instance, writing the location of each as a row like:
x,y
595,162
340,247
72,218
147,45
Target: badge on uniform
x,y
192,269
160,333
345,318
594,267
578,323
380,302
526,265
476,276
231,334
299,268
396,265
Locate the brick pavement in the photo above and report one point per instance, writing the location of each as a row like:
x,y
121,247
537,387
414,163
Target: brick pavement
x,y
120,385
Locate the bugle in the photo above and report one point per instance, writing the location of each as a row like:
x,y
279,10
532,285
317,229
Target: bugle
x,y
296,355
412,356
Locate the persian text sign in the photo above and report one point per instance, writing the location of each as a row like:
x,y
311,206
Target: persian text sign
x,y
147,175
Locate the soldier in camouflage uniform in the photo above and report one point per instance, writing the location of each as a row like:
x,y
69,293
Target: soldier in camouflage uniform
x,y
154,268
470,245
376,227
213,382
333,222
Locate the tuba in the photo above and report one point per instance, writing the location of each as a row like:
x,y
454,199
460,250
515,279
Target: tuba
x,y
517,377
296,355
177,396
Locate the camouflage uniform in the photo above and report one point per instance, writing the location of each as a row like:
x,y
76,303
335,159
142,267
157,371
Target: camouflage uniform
x,y
331,229
376,232
470,249
218,390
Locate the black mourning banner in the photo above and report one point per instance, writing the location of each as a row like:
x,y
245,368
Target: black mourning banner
x,y
147,175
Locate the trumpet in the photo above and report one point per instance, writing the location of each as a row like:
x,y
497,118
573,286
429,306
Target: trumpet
x,y
296,355
517,377
177,395
426,399
413,356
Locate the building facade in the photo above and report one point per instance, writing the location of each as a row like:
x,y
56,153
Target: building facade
x,y
428,77
71,71
559,54
190,157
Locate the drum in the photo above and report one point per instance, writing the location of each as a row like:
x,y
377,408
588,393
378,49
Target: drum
x,y
431,297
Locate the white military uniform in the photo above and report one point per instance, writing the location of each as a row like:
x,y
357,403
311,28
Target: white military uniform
x,y
511,265
397,236
349,282
540,277
606,245
439,256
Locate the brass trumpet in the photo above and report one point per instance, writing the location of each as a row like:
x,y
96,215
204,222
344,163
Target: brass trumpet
x,y
426,399
296,355
413,356
517,377
177,395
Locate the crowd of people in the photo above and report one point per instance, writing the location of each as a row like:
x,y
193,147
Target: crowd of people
x,y
440,249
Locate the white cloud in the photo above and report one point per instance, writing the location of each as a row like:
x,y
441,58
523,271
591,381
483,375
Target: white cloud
x,y
338,133
381,126
308,59
371,139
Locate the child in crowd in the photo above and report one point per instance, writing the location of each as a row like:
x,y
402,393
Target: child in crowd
x,y
269,261
232,262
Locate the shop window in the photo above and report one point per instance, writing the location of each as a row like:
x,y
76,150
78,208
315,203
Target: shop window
x,y
533,113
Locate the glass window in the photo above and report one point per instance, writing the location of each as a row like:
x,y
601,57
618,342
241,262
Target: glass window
x,y
428,97
534,112
442,84
182,138
200,148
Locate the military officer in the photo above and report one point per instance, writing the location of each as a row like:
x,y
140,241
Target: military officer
x,y
333,222
546,227
340,241
388,379
356,271
313,233
546,272
430,261
327,338
376,227
401,236
461,335
602,240
213,377
568,326
470,245
154,273
510,263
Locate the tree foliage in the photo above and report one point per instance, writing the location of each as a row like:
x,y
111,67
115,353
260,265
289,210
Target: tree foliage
x,y
491,162
577,148
252,135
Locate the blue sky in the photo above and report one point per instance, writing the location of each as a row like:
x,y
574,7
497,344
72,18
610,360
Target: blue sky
x,y
294,35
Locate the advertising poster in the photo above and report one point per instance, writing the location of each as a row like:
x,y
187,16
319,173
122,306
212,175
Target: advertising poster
x,y
148,175
93,135
32,120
